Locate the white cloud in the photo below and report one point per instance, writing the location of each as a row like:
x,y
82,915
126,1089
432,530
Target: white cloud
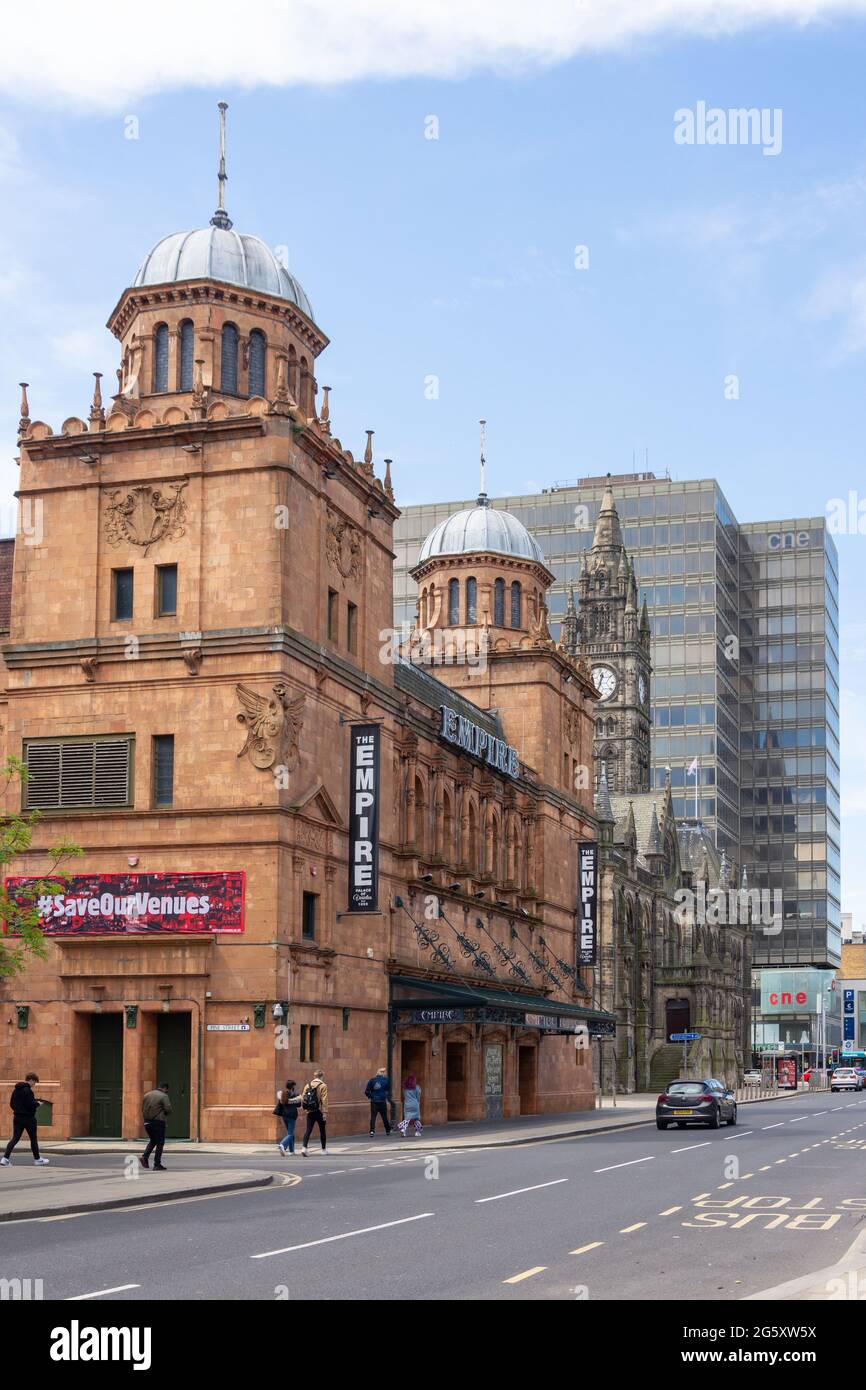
x,y
110,55
840,294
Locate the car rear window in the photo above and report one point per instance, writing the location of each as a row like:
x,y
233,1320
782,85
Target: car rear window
x,y
686,1088
845,1071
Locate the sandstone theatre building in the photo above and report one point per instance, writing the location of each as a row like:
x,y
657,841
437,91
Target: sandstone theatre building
x,y
303,844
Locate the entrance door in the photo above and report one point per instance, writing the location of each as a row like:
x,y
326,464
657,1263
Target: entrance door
x,y
526,1073
106,1075
172,1065
677,1017
456,1070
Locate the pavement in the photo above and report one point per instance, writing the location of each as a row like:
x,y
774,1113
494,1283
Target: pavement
x,y
31,1191
525,1129
629,1214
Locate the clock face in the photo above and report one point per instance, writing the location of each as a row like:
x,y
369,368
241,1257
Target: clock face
x,y
642,688
604,680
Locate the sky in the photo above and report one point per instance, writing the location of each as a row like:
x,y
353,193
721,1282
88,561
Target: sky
x,y
494,214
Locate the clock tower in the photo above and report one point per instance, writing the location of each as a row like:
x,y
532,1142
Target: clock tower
x,y
614,642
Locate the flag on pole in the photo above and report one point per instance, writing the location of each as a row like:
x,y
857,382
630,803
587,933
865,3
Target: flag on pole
x,y
692,769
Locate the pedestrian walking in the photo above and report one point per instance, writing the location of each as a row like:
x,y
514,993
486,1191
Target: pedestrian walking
x,y
155,1107
286,1107
314,1103
378,1093
24,1104
411,1106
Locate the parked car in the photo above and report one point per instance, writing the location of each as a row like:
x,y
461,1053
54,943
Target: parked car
x,y
696,1102
861,1072
752,1077
845,1079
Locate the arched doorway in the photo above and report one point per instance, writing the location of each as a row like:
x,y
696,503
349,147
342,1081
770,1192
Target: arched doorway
x,y
678,1017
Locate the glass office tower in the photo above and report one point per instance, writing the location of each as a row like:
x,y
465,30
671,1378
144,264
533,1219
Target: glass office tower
x,y
745,673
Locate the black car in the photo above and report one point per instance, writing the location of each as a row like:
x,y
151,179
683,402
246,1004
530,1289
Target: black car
x,y
696,1103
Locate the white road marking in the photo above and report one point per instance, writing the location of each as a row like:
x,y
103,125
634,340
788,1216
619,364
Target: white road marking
x,y
777,1125
518,1190
630,1164
704,1145
798,1119
670,1211
118,1288
327,1240
741,1134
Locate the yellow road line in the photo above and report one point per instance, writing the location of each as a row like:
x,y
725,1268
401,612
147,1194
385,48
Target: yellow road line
x,y
670,1211
636,1227
582,1249
527,1274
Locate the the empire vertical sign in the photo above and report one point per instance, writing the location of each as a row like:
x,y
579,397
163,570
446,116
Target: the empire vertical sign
x,y
587,925
364,819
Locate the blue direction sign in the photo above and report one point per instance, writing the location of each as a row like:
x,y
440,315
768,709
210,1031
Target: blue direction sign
x,y
684,1037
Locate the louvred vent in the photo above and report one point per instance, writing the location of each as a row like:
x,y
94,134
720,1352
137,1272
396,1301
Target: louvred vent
x,y
88,772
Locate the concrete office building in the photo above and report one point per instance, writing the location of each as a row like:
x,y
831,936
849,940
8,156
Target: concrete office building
x,y
744,624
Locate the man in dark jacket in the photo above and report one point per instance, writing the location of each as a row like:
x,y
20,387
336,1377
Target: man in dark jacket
x,y
154,1108
24,1104
378,1093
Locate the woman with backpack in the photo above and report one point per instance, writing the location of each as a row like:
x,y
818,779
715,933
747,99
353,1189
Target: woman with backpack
x,y
314,1103
411,1106
286,1107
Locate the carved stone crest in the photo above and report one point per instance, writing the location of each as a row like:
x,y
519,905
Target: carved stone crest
x,y
145,515
273,723
343,546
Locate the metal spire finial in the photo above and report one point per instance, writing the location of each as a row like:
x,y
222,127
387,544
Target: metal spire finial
x,y
221,217
482,495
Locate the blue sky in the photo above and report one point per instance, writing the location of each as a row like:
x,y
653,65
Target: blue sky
x,y
454,257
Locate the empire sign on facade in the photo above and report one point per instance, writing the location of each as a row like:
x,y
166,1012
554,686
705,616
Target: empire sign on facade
x,y
364,819
587,874
475,740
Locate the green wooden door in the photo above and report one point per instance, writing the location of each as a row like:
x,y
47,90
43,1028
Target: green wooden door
x,y
106,1075
172,1065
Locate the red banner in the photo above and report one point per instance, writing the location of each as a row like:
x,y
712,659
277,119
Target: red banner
x,y
132,904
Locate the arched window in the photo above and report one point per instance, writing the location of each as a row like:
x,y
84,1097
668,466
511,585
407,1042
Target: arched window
x,y
471,600
187,354
229,360
257,363
516,605
499,603
453,603
160,357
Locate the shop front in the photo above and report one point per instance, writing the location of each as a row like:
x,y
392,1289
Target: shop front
x,y
483,1053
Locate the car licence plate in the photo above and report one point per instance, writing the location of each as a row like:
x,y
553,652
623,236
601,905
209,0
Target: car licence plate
x,y
682,1112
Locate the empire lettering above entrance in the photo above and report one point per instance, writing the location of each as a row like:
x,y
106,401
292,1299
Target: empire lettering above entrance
x,y
475,740
105,904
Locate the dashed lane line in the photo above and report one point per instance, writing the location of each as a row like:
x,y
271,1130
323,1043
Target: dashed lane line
x,y
518,1190
630,1164
329,1240
704,1145
583,1249
626,1230
741,1134
669,1211
100,1293
527,1274
777,1125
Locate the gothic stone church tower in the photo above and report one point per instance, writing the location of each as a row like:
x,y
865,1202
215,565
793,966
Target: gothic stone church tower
x,y
614,642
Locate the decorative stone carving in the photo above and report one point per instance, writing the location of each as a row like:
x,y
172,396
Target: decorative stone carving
x,y
193,659
343,546
88,666
146,515
273,723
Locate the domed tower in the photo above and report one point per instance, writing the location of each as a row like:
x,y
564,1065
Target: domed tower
x,y
482,623
213,315
614,641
